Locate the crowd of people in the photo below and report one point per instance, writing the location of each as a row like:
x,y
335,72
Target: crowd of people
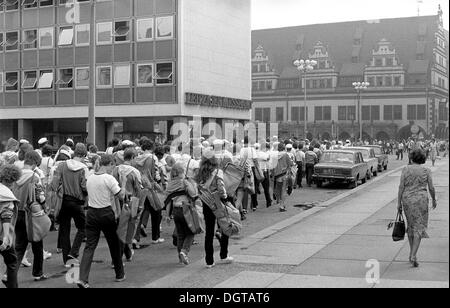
x,y
137,184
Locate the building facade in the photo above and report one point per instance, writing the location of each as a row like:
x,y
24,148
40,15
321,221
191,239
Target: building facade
x,y
405,60
158,62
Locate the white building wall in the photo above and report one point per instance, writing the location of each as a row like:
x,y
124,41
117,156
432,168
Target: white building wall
x,y
214,51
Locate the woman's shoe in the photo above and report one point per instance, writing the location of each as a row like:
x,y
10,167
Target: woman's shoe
x,y
26,263
414,262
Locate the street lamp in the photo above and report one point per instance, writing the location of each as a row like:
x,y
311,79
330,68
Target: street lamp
x,y
359,87
92,76
305,67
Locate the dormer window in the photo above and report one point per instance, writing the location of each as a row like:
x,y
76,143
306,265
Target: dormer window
x,y
389,62
379,62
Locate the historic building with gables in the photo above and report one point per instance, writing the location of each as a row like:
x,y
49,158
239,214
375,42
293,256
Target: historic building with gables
x,y
405,60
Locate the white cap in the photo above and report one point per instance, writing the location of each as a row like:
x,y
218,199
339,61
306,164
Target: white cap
x,y
65,152
23,141
218,142
288,146
42,140
257,145
127,143
69,140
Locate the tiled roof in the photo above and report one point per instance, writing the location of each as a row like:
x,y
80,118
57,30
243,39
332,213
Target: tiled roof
x,y
403,33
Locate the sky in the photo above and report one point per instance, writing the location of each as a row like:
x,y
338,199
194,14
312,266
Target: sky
x,y
285,13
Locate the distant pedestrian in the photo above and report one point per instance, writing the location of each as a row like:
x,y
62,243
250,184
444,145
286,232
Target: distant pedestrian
x,y
415,183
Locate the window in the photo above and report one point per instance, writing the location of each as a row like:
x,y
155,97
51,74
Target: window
x,y
164,27
262,85
279,114
322,83
11,81
258,114
266,115
82,78
329,83
388,113
45,3
11,5
12,40
421,112
318,116
412,112
443,111
388,81
255,68
104,77
365,113
65,80
1,42
302,114
342,113
122,75
269,84
314,84
46,38
295,114
29,3
82,35
65,36
145,75
104,33
420,56
355,59
378,62
46,80
164,73
375,113
397,81
254,85
379,81
29,80
30,39
398,112
351,113
327,113
389,62
371,80
122,31
144,29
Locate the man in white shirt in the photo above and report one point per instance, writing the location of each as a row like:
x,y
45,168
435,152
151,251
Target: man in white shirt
x,y
102,187
264,162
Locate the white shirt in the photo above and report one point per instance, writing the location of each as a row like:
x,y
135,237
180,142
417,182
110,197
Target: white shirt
x,y
250,153
263,158
101,190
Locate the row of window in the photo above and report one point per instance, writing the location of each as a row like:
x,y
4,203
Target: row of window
x,y
293,83
384,81
262,85
383,61
13,5
345,113
119,75
147,29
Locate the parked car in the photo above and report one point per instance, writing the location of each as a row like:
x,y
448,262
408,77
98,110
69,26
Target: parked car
x,y
369,157
383,158
341,166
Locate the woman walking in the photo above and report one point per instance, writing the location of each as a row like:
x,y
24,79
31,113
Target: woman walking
x,y
415,183
211,178
434,151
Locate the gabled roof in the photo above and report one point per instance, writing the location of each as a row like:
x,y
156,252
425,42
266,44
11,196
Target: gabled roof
x,y
339,38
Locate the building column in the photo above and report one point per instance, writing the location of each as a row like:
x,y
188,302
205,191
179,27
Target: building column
x,y
180,129
25,130
109,131
100,134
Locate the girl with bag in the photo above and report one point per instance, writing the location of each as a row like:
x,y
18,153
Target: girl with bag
x,y
211,179
181,194
415,183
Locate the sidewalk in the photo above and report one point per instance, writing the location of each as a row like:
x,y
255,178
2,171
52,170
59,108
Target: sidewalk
x,y
330,247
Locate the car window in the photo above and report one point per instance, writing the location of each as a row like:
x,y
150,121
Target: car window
x,y
337,157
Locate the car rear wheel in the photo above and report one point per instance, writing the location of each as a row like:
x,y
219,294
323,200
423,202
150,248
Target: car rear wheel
x,y
354,184
364,179
375,173
385,167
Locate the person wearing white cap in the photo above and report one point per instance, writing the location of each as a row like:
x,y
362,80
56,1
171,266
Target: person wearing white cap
x,y
42,142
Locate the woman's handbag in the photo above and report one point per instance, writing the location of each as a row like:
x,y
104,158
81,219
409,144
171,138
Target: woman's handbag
x,y
54,201
398,234
37,221
232,178
124,223
259,174
228,217
194,218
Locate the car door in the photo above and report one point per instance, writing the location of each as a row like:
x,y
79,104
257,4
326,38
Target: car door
x,y
362,170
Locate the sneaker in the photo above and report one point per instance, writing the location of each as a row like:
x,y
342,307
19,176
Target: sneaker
x,y
227,260
210,266
135,245
40,278
120,279
47,255
83,285
283,209
184,258
132,254
72,262
5,280
158,241
26,263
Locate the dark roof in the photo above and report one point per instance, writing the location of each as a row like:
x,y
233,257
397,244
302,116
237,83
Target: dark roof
x,y
403,33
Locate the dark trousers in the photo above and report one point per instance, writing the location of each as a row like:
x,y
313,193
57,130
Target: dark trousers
x,y
185,237
309,173
254,197
125,249
210,222
156,218
71,209
299,173
266,186
12,267
22,244
101,220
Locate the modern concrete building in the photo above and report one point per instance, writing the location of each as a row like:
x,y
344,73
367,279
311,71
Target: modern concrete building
x,y
405,60
158,62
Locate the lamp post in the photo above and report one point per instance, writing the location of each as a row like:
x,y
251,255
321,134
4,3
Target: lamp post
x,y
92,78
359,87
305,66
